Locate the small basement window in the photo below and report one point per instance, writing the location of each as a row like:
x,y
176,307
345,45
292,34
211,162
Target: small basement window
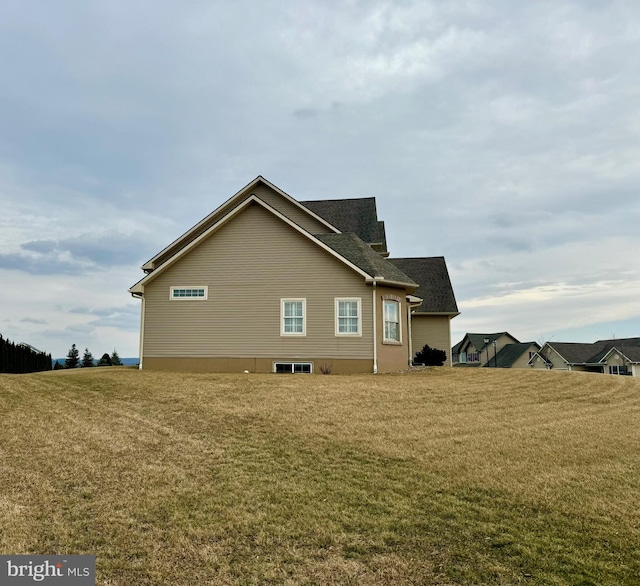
x,y
292,367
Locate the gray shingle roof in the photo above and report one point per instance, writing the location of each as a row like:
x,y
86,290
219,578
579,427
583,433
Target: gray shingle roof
x,y
510,353
358,215
577,352
581,353
631,352
432,276
352,248
630,347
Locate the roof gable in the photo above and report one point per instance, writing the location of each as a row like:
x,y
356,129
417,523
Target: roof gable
x,y
630,353
435,288
348,248
201,227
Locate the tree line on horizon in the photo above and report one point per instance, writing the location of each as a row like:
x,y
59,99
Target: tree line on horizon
x,y
21,358
73,359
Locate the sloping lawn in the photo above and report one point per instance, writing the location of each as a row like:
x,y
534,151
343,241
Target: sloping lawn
x,y
463,476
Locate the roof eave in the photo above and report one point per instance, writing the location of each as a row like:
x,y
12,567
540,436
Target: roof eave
x,y
382,281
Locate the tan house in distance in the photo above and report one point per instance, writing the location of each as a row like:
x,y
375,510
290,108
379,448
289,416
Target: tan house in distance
x,y
266,283
619,356
497,350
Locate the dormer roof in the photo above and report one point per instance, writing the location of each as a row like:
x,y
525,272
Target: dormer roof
x,y
356,215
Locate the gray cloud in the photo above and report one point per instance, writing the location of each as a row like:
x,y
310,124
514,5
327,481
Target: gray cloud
x,y
126,317
40,265
503,137
31,320
81,254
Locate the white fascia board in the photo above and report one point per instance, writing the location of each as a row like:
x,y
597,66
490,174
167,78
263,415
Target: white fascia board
x,y
149,265
137,290
139,286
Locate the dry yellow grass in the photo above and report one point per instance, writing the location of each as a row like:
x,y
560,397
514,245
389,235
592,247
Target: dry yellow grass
x,y
464,476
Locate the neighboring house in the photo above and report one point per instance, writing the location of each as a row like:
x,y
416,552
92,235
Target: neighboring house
x,y
269,284
617,356
479,349
514,355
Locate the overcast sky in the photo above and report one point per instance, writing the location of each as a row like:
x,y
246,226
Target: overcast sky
x,y
502,135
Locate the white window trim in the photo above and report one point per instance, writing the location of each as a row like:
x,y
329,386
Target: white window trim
x,y
304,316
358,300
176,288
293,364
386,340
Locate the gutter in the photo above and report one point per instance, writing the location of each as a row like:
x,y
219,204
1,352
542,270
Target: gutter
x,y
384,281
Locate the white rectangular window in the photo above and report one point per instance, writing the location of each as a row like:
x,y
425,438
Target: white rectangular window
x,y
188,293
348,319
293,317
391,321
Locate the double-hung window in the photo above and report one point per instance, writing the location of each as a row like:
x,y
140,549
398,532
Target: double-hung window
x,y
293,317
348,317
391,321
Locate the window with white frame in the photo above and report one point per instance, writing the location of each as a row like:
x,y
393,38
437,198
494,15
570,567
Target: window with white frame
x,y
348,320
293,317
620,370
181,293
391,320
293,367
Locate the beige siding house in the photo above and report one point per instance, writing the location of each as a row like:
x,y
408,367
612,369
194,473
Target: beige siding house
x,y
267,284
497,350
619,356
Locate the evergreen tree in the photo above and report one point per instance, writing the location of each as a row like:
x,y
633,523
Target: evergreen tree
x,y
72,360
115,359
105,360
57,366
22,358
87,358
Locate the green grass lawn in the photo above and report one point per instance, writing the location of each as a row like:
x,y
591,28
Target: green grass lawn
x,y
446,476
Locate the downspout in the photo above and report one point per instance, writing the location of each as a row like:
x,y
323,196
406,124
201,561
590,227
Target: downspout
x,y
375,330
410,335
142,312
